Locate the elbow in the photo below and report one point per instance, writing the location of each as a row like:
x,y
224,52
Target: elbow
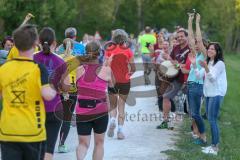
x,y
211,78
50,95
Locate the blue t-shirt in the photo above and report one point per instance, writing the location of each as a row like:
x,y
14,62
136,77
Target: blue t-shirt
x,y
78,49
3,56
192,73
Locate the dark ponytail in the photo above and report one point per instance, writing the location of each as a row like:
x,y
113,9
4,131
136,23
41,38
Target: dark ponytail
x,y
47,37
93,50
45,48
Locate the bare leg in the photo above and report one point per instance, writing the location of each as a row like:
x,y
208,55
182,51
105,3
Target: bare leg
x,y
195,129
48,156
81,151
166,108
98,151
113,105
121,108
121,115
113,114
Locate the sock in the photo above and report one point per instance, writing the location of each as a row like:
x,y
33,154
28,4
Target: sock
x,y
120,128
113,120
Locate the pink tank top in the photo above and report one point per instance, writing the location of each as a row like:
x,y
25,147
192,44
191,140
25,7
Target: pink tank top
x,y
91,87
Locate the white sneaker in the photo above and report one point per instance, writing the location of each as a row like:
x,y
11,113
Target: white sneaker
x,y
205,148
210,150
120,135
111,128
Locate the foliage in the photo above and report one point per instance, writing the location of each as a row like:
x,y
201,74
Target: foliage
x,y
220,18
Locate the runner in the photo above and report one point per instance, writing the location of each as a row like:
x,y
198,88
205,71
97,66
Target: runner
x,y
78,48
122,58
68,99
56,69
23,84
92,107
145,40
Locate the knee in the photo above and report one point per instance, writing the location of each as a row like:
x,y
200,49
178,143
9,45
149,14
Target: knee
x,y
212,121
196,116
165,100
99,142
84,143
210,118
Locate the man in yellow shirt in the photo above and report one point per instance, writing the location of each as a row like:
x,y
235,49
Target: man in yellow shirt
x,y
23,85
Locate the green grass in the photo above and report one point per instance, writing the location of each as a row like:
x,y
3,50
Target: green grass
x,y
229,123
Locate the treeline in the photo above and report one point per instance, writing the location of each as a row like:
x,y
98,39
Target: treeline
x,y
220,18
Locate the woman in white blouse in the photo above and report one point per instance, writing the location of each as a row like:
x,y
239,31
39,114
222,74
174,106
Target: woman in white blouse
x,y
215,88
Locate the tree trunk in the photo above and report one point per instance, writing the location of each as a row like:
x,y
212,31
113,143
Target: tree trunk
x,y
229,40
116,4
140,17
236,40
1,26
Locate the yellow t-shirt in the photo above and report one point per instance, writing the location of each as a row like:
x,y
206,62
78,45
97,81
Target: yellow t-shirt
x,y
14,53
72,64
23,114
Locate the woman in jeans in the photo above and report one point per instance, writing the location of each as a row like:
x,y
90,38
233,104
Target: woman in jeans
x,y
195,80
214,89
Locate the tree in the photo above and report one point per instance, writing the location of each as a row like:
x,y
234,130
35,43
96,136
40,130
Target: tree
x,y
220,18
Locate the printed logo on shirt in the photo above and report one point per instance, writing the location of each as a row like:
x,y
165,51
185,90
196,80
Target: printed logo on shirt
x,y
19,97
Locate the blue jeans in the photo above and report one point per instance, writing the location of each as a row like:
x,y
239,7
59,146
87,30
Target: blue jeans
x,y
212,108
195,93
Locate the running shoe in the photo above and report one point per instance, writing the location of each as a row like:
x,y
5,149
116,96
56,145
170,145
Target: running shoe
x,y
62,149
120,135
163,125
111,129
